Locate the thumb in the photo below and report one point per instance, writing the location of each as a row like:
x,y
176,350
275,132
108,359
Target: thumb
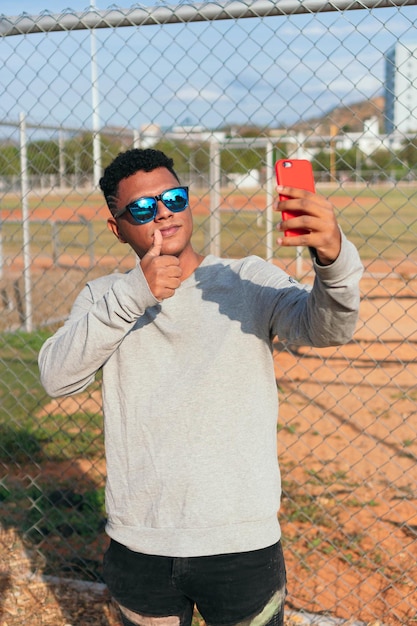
x,y
155,249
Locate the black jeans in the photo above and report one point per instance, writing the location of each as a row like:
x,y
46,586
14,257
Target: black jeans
x,y
227,589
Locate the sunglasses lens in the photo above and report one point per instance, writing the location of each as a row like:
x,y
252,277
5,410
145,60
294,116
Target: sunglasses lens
x,y
175,199
143,210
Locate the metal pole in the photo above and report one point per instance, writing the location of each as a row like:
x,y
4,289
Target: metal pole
x,y
24,187
1,248
95,99
61,159
299,154
269,254
183,13
136,138
215,223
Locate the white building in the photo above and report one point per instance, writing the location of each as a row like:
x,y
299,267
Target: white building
x,y
401,88
369,140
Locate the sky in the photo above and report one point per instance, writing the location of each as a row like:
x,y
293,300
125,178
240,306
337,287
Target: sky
x,y
269,72
33,7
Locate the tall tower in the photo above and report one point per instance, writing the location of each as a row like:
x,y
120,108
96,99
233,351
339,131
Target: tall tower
x,y
401,88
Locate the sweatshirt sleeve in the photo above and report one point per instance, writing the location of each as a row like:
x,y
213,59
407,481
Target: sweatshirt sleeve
x,y
98,323
326,314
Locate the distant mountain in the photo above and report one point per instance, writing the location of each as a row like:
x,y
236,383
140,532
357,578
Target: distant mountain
x,y
349,118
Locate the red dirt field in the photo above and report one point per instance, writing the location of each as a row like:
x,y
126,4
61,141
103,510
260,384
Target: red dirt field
x,y
200,205
403,267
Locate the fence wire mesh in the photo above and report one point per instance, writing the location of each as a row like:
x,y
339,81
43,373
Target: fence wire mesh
x,y
224,96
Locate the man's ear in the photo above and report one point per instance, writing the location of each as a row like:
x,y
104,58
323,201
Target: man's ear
x,y
113,226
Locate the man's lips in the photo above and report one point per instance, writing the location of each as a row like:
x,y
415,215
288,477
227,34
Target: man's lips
x,y
169,231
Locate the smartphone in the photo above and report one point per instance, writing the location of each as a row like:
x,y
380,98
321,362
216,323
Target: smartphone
x,y
294,173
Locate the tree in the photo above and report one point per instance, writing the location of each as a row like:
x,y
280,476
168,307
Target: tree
x,y
9,160
78,152
43,157
346,159
384,160
110,148
321,161
177,150
188,156
408,154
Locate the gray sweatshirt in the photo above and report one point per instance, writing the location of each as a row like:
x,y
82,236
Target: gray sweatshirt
x,y
190,397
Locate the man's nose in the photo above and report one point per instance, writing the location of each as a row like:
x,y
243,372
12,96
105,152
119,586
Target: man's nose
x,y
161,210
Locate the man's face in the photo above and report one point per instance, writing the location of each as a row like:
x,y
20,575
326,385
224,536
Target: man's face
x,y
176,228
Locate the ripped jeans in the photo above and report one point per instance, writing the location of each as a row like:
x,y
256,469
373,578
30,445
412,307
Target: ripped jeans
x,y
238,589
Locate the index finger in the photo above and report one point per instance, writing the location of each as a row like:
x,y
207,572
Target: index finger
x,y
293,192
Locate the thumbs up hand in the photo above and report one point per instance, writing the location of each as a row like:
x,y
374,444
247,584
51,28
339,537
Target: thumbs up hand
x,y
162,271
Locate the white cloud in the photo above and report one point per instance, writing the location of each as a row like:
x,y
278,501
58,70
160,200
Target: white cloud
x,y
190,94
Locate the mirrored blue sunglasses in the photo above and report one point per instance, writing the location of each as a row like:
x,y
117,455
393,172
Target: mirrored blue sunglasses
x,y
144,209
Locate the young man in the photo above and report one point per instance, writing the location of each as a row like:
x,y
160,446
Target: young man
x,y
190,397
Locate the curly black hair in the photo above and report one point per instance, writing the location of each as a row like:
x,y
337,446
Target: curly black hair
x,y
128,163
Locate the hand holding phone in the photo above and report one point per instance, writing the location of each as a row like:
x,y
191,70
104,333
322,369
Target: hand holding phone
x,y
296,173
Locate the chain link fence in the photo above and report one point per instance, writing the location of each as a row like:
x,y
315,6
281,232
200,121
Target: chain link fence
x,y
225,89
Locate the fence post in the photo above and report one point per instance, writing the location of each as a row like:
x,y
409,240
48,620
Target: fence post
x,y
215,220
19,302
1,248
54,243
95,100
24,188
61,159
90,244
269,222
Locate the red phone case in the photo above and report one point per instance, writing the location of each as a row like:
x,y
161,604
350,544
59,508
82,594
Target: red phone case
x,y
294,173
